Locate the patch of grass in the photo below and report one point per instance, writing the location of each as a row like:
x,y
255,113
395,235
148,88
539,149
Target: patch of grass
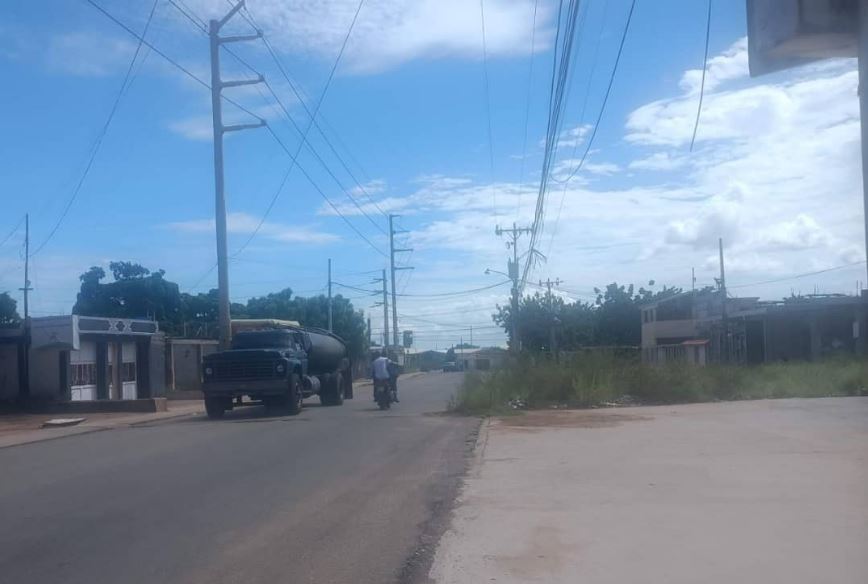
x,y
592,380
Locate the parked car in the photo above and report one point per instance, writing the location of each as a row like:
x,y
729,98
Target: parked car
x,y
451,366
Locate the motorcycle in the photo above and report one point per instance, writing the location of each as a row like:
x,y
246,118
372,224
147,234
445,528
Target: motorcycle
x,y
383,394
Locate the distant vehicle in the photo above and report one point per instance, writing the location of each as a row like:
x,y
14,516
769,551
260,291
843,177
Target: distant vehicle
x,y
451,366
278,367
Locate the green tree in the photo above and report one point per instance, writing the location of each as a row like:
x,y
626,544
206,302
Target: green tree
x,y
348,323
8,309
136,292
614,319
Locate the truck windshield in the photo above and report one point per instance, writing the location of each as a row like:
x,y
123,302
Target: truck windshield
x,y
264,340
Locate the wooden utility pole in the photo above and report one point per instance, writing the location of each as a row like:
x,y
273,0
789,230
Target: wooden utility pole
x,y
217,86
512,271
385,304
553,319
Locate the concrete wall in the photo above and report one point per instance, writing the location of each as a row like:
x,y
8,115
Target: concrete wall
x,y
667,329
45,374
186,359
8,372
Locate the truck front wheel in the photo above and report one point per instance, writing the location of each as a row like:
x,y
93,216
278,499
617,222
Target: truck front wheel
x,y
293,395
215,407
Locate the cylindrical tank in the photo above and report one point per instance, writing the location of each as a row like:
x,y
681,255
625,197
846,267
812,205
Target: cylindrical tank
x,y
325,353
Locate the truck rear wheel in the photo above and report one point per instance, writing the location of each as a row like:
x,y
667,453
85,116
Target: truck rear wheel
x,y
332,391
215,407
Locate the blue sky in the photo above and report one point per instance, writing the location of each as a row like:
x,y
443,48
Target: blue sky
x,y
775,169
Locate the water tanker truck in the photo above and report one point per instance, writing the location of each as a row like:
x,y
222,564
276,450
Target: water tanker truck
x,y
277,363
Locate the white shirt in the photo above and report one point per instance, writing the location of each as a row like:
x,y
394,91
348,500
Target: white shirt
x,y
381,368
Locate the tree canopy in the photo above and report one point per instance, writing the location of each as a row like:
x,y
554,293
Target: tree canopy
x,y
613,319
8,309
138,292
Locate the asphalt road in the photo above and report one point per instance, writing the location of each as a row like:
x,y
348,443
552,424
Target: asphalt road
x,y
343,494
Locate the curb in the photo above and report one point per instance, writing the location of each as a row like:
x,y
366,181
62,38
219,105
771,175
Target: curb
x,y
82,430
48,438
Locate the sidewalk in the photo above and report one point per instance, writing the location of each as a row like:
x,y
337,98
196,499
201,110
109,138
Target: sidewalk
x,y
765,491
17,429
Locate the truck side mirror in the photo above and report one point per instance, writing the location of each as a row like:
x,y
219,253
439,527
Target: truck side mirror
x,y
306,342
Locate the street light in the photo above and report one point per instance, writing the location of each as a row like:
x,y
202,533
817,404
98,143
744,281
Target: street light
x,y
489,271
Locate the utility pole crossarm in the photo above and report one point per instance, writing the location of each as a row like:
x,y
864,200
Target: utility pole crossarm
x,y
241,38
237,127
241,82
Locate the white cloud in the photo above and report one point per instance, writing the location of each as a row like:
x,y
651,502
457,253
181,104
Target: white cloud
x,y
370,188
776,174
389,33
731,64
88,54
662,161
245,224
194,128
572,137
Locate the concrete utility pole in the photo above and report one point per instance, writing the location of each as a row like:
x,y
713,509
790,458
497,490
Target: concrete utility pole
x,y
24,389
330,296
724,321
552,338
385,304
392,252
217,86
863,109
512,270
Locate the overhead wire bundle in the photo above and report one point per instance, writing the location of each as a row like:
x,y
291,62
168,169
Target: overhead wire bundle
x,y
563,51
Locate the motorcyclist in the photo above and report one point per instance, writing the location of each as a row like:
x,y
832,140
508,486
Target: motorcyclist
x,y
394,371
380,371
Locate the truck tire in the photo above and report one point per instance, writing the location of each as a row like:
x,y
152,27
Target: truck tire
x,y
215,407
332,392
293,395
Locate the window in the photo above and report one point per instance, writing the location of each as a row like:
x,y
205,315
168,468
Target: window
x,y
128,372
83,374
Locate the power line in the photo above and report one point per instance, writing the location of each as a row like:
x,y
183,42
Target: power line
x,y
13,232
602,112
313,114
324,196
304,142
487,91
797,276
242,108
560,71
581,120
102,133
590,142
704,70
316,155
457,293
191,16
527,107
169,59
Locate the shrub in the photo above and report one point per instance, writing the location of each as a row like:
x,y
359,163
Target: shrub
x,y
593,379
